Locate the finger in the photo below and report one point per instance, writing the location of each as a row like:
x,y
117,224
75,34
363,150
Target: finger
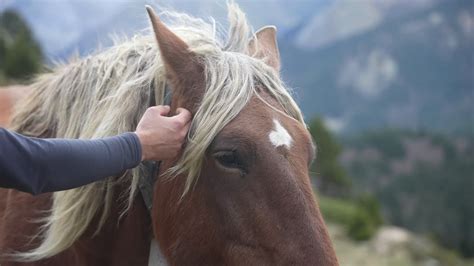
x,y
163,110
183,115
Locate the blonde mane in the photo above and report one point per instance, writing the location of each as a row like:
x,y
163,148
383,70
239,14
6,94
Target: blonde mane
x,y
106,93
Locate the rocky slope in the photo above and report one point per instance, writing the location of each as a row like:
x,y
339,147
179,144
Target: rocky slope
x,y
391,246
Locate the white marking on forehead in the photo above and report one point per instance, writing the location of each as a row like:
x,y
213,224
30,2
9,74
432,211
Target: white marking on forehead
x,y
279,136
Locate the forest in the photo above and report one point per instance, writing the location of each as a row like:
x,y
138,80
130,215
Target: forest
x,y
20,53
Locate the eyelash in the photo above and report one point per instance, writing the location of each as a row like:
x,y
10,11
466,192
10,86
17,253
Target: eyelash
x,y
230,160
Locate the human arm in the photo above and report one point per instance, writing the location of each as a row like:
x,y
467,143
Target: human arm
x,y
36,165
43,165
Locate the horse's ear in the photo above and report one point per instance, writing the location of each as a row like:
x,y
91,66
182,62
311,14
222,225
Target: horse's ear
x,y
182,66
264,46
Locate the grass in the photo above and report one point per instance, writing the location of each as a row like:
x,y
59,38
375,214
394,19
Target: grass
x,y
337,210
339,214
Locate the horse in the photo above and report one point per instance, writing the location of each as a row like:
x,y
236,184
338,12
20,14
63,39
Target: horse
x,y
9,96
238,194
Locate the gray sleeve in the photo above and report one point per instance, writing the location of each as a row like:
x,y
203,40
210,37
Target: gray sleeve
x,y
43,165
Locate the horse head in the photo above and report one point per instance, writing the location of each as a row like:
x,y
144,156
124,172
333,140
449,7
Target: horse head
x,y
240,193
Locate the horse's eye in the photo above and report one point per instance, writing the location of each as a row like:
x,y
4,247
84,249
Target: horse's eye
x,y
228,159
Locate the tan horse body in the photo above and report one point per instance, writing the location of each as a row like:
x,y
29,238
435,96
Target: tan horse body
x,y
9,96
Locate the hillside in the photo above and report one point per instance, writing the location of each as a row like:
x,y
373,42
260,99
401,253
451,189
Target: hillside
x,y
364,64
411,71
423,181
391,246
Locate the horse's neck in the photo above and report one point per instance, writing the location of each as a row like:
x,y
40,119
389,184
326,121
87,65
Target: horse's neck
x,y
122,240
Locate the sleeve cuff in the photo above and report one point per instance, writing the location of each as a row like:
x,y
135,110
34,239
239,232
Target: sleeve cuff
x,y
135,147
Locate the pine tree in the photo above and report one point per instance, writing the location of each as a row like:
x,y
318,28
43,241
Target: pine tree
x,y
20,54
330,175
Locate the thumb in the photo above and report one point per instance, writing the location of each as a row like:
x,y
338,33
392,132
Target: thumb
x,y
183,115
162,110
180,110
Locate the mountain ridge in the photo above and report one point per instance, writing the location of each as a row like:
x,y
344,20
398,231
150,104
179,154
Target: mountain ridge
x,y
387,77
384,76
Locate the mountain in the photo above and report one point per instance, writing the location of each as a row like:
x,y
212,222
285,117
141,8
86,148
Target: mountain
x,y
343,19
412,71
360,64
58,25
64,27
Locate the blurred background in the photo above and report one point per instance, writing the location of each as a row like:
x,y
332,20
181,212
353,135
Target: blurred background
x,y
386,86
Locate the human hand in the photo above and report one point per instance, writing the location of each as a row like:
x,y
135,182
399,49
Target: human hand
x,y
162,137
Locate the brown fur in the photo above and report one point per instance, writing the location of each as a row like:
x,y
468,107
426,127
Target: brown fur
x,y
266,216
119,243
